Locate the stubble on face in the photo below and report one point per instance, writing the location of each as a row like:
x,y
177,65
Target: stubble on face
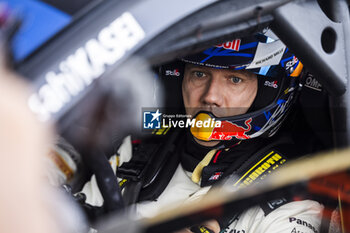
x,y
222,92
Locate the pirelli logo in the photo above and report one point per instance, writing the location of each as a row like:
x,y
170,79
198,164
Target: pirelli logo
x,y
261,169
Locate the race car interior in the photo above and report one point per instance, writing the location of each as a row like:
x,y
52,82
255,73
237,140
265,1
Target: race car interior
x,y
92,118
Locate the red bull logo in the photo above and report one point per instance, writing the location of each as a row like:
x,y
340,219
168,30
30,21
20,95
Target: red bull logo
x,y
231,45
221,130
229,130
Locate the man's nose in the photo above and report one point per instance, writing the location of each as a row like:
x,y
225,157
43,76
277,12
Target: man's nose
x,y
214,93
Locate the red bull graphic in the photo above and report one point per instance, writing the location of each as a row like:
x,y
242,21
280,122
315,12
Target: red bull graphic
x,y
231,45
229,130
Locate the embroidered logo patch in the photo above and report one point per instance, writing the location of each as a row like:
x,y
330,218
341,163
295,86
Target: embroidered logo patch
x,y
216,176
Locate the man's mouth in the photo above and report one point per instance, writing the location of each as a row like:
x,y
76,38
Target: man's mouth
x,y
217,112
214,113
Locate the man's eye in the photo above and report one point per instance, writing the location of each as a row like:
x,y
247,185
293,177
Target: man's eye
x,y
236,80
199,74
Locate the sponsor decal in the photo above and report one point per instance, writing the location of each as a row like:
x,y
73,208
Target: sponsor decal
x,y
230,45
271,84
302,223
259,171
216,176
276,203
292,62
228,130
151,120
78,70
293,67
172,73
312,83
267,54
271,205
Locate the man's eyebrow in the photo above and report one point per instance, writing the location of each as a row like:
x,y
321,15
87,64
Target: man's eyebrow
x,y
246,73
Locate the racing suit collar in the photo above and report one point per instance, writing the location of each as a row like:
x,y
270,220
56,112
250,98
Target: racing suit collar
x,y
192,153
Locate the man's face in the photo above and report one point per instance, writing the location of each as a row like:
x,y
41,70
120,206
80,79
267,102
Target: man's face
x,y
223,92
